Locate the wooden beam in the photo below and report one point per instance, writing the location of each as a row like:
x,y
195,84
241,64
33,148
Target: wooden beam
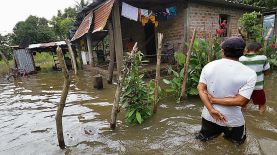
x,y
158,72
119,57
89,44
61,105
186,66
112,53
73,58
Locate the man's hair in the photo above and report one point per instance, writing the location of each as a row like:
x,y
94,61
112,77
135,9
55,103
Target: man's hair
x,y
254,46
233,47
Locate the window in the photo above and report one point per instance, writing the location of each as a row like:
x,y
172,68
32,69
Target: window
x,y
223,25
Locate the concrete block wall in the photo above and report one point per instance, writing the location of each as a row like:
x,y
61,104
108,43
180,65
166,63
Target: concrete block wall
x,y
205,18
173,29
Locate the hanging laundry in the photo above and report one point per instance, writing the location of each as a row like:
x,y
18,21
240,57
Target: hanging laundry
x,y
171,12
129,11
145,20
161,15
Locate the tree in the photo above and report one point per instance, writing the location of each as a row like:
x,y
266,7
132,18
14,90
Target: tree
x,y
5,42
34,30
262,3
251,27
80,5
63,22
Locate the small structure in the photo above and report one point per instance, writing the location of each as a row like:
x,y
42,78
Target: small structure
x,y
141,20
24,60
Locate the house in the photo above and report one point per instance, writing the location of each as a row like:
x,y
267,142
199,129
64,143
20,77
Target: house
x,y
128,23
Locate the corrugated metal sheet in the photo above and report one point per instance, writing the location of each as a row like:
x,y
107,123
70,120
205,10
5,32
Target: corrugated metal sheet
x,y
84,27
101,15
46,45
24,61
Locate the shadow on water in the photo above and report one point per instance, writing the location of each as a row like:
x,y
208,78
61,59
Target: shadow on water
x,y
27,122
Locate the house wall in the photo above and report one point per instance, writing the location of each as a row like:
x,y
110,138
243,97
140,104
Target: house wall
x,y
205,17
173,31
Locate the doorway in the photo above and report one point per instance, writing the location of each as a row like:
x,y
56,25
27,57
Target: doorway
x,y
150,42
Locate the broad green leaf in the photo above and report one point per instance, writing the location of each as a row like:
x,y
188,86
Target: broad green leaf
x,y
138,116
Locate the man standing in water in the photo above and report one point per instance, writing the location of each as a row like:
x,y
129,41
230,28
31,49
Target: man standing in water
x,y
226,78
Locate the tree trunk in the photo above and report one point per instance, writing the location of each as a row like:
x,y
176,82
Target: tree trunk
x,y
119,59
186,67
112,53
73,58
5,61
158,70
61,105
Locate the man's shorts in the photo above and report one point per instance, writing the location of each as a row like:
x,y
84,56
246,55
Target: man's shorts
x,y
258,97
210,130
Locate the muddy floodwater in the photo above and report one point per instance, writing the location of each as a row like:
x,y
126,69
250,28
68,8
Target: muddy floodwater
x,y
27,122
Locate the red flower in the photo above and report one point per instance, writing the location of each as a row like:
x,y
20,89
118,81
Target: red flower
x,y
219,31
272,46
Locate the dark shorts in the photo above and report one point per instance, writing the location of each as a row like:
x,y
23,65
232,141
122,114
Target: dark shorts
x,y
210,130
258,97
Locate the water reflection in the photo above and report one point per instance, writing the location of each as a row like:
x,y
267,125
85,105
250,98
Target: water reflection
x,y
27,122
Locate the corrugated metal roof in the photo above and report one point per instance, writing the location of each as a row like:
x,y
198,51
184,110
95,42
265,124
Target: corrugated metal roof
x,y
46,45
101,15
84,27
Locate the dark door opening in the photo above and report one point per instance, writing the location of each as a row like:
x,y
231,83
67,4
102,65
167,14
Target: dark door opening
x,y
150,41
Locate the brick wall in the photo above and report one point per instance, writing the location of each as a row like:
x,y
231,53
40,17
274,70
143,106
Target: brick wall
x,y
206,18
173,31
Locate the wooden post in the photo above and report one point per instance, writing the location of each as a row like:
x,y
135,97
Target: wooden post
x,y
89,44
5,61
158,70
119,59
73,58
98,82
112,53
59,114
186,66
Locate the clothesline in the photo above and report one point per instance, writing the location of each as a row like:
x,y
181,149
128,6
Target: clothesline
x,y
145,16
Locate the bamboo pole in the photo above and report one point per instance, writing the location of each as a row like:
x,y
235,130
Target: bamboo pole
x,y
61,105
73,59
5,61
119,59
158,72
186,66
112,53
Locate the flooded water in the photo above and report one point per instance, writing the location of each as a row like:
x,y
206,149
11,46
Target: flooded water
x,y
27,122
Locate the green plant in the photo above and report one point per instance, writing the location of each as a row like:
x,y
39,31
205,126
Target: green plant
x,y
198,60
271,53
251,26
135,98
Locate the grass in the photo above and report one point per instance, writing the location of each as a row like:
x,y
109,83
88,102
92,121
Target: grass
x,y
44,60
3,67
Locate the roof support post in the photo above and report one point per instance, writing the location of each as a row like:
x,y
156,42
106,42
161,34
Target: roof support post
x,y
89,44
119,58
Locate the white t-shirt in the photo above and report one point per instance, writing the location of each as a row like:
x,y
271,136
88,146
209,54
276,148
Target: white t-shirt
x,y
227,78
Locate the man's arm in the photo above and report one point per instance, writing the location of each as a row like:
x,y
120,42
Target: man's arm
x,y
229,101
202,89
